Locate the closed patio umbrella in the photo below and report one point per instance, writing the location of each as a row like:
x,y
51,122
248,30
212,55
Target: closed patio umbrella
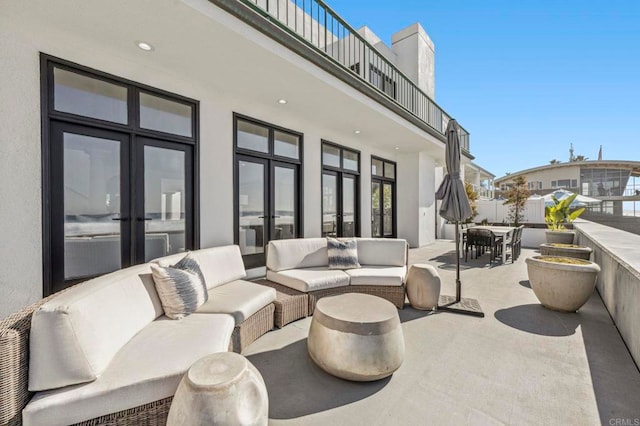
x,y
455,207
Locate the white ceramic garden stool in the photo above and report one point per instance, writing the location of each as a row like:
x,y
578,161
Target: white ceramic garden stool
x,y
220,389
356,337
423,286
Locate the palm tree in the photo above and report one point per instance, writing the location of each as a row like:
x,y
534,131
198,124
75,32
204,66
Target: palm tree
x,y
580,158
554,161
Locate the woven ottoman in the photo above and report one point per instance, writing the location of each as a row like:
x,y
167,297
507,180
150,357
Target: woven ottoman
x,y
356,337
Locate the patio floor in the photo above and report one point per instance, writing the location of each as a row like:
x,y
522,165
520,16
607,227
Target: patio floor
x,y
521,364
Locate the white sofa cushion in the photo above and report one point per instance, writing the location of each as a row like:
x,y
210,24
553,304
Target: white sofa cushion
x,y
239,298
75,335
297,253
148,368
378,275
310,279
219,265
382,251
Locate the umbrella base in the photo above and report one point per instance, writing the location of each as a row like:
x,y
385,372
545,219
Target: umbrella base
x,y
465,306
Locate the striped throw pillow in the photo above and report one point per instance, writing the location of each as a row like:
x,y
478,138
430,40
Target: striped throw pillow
x,y
343,254
181,287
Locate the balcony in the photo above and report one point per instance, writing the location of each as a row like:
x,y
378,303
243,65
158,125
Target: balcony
x,y
521,364
315,24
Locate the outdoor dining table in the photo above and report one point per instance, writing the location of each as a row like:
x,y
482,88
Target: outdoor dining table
x,y
498,231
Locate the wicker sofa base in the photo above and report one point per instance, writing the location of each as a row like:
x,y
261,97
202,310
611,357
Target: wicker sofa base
x,y
151,414
252,328
291,305
394,294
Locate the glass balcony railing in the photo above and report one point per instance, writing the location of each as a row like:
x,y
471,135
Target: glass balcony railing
x,y
320,27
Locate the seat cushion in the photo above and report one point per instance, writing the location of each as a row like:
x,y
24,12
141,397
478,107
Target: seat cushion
x,y
75,335
297,253
310,279
378,275
382,251
148,368
239,298
219,265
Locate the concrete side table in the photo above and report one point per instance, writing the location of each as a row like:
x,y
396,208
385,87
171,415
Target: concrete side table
x,y
423,287
220,389
356,337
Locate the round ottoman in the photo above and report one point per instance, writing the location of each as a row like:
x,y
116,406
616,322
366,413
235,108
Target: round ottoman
x,y
356,337
220,389
423,287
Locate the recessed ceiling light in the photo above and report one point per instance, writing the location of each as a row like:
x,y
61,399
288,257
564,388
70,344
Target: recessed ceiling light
x,y
282,101
144,46
397,148
357,132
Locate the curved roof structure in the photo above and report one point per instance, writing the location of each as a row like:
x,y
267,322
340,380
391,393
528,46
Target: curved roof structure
x,y
633,166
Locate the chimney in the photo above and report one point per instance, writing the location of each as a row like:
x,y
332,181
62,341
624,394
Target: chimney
x,y
416,57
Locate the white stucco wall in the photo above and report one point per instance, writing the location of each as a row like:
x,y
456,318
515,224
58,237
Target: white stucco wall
x,y
20,152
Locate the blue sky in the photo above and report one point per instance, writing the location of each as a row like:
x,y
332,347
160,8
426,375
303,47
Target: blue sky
x,y
527,78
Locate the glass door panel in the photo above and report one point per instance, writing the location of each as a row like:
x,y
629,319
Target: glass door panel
x,y
376,211
92,205
329,204
284,195
348,206
252,210
165,199
387,205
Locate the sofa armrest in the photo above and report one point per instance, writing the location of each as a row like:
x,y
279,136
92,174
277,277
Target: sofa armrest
x,y
14,362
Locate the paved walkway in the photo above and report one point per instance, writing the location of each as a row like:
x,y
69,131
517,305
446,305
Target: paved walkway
x,y
521,364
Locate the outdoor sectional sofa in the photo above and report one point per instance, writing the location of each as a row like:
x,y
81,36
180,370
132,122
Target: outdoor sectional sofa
x,y
302,264
93,351
103,352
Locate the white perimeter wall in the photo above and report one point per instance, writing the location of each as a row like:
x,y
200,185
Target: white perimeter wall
x,y
496,211
20,156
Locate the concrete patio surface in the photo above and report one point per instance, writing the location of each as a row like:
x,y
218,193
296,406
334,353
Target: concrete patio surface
x,y
521,364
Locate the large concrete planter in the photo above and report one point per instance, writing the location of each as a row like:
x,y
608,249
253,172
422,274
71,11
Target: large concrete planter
x,y
559,285
565,250
560,237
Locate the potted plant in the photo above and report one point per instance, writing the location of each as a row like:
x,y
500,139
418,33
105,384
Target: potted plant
x,y
562,283
557,217
565,250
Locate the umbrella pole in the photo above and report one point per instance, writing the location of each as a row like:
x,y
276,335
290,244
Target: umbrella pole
x,y
460,305
458,283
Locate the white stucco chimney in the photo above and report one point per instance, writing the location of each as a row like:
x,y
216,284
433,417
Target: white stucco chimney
x,y
416,57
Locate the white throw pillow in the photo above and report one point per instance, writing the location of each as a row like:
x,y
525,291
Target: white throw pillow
x,y
343,254
181,287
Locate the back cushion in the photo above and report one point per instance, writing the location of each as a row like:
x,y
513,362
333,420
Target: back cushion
x,y
75,335
219,265
297,253
382,251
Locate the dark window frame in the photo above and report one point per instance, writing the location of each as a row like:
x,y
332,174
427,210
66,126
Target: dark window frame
x,y
341,171
271,160
51,117
393,181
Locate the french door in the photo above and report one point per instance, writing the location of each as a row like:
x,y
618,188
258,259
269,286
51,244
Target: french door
x,y
267,203
382,214
116,200
339,209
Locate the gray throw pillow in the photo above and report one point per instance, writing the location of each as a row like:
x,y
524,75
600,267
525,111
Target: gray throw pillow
x,y
181,287
343,254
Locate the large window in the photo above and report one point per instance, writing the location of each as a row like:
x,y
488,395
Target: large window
x,y
340,191
383,198
268,189
119,173
596,182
